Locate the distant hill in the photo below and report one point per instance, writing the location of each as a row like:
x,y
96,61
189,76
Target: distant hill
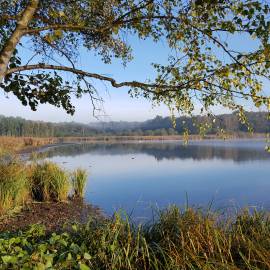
x,y
16,126
116,125
163,125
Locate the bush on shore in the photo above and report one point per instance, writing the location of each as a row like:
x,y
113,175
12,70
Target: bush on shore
x,y
178,239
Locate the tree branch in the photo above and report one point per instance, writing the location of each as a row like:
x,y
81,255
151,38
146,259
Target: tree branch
x,y
150,88
88,74
14,39
65,27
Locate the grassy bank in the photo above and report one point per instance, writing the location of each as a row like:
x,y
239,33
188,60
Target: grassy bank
x,y
177,239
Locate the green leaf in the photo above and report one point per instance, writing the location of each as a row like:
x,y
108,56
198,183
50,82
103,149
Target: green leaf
x,y
9,259
84,267
87,256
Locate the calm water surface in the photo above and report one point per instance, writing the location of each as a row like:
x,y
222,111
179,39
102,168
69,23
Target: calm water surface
x,y
138,176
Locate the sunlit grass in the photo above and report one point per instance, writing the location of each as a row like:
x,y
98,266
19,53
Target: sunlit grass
x,y
41,181
49,182
79,179
9,143
14,185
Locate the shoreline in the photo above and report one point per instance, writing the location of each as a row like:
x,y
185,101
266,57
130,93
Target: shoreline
x,y
80,141
59,141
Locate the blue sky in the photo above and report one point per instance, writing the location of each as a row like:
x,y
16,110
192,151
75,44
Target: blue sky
x,y
118,104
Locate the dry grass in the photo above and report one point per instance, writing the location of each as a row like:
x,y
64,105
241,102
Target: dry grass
x,y
15,144
12,144
14,184
191,137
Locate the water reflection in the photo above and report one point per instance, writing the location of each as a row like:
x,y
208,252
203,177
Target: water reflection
x,y
238,151
134,176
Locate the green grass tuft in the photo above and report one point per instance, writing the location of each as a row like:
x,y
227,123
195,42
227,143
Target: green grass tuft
x,y
79,179
49,182
14,185
35,181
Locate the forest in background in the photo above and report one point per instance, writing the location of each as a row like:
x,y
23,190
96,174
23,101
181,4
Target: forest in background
x,y
161,126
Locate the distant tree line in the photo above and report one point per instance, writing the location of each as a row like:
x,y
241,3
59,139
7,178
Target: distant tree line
x,y
16,126
259,122
161,126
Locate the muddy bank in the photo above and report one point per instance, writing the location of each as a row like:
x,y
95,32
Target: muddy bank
x,y
51,214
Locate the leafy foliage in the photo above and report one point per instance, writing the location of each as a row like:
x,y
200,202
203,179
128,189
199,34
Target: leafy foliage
x,y
204,64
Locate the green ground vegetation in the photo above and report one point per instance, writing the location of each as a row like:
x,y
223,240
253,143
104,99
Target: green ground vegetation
x,y
177,239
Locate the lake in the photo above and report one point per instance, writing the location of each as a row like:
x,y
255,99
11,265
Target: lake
x,y
140,176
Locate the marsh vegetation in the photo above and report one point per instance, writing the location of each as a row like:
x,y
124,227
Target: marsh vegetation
x,y
177,239
43,181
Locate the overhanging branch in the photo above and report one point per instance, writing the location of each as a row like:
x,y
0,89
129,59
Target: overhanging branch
x,y
113,82
154,88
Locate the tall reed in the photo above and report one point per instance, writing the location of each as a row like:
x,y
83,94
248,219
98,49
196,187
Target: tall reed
x,y
79,179
35,181
60,184
14,185
18,143
49,182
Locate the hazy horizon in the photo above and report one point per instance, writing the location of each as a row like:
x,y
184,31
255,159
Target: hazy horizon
x,y
108,119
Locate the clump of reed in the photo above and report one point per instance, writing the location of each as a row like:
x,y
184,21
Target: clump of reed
x,y
14,185
79,179
49,182
22,182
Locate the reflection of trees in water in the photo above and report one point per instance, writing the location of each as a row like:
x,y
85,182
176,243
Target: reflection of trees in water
x,y
165,151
